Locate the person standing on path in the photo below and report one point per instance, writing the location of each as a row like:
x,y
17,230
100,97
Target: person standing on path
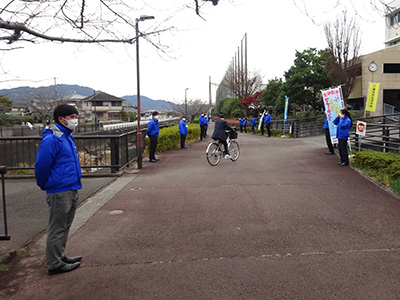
x,y
253,123
343,122
201,123
153,130
328,137
245,125
267,120
205,125
241,124
183,131
58,172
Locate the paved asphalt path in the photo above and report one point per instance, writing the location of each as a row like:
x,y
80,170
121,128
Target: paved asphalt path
x,y
283,222
27,211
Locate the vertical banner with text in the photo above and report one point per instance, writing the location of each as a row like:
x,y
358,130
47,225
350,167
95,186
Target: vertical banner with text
x,y
286,112
333,104
372,99
286,107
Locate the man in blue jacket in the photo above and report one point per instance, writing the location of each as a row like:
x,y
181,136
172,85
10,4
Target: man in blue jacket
x,y
253,123
58,172
183,131
202,124
152,132
267,120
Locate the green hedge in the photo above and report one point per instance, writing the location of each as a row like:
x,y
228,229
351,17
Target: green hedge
x,y
169,137
382,166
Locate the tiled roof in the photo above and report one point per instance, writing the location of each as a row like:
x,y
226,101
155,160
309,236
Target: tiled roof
x,y
102,97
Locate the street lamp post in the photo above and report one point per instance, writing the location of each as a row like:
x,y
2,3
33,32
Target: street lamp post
x,y
186,102
139,130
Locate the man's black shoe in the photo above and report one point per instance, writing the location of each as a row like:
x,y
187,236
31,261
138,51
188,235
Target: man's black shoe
x,y
329,153
343,164
64,268
71,260
153,160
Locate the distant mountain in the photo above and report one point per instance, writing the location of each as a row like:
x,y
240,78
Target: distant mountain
x,y
148,104
23,95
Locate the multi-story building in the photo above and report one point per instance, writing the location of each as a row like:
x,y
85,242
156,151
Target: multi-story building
x,y
382,67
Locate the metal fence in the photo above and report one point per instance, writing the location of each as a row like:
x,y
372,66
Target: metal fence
x,y
382,134
95,152
299,128
111,150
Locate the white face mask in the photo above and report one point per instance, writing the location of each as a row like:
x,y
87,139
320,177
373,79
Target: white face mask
x,y
71,123
155,117
183,119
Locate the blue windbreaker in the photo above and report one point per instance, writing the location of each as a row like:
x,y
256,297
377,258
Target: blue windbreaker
x,y
267,118
244,122
241,122
201,120
57,166
253,122
183,127
343,127
326,123
153,128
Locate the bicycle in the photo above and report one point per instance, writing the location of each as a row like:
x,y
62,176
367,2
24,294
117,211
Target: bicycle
x,y
215,150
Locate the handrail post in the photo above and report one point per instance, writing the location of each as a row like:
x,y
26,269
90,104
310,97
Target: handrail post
x,y
3,170
114,154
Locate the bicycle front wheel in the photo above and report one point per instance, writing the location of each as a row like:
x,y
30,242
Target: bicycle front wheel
x,y
213,154
234,150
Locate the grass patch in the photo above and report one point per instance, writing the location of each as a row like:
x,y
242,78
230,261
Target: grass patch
x,y
169,137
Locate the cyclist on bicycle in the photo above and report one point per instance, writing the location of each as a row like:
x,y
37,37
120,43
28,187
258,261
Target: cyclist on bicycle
x,y
219,132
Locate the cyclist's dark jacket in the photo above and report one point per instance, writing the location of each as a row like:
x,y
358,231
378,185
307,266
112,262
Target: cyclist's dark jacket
x,y
219,130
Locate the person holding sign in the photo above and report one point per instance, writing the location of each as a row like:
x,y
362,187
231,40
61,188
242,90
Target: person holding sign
x,y
343,122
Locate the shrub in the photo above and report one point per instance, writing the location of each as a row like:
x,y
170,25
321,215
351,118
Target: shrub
x,y
169,137
382,166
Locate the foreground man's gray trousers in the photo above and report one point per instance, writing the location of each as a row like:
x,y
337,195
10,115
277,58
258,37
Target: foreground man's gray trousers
x,y
62,207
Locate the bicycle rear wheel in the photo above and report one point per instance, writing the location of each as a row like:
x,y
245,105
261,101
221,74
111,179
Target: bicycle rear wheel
x,y
213,154
234,150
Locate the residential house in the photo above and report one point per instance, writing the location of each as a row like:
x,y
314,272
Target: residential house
x,y
103,106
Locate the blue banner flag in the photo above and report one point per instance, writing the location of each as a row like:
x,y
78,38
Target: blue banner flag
x,y
286,106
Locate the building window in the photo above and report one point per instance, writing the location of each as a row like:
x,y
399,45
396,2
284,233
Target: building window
x,y
392,97
116,103
394,19
391,68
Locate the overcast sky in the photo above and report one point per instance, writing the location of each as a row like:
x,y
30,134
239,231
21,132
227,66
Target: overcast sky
x,y
201,48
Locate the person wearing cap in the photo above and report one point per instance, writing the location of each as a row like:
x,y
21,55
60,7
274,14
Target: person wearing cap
x,y
153,130
219,132
58,172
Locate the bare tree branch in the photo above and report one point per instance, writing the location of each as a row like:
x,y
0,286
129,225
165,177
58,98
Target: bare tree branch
x,y
344,43
72,21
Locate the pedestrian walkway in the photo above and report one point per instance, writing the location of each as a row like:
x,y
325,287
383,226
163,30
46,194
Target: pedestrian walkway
x,y
282,222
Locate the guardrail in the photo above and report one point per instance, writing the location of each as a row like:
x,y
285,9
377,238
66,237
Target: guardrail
x,y
382,134
94,151
109,150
